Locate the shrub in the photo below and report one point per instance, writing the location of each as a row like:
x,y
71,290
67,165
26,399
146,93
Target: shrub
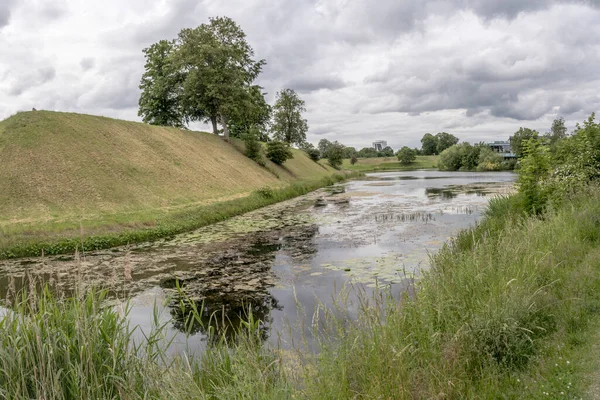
x,y
313,154
406,155
278,152
353,159
266,192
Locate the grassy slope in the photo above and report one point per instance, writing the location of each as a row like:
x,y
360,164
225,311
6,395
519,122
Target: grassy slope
x,y
63,169
390,164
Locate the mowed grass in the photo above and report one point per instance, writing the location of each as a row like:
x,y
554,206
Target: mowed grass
x,y
390,164
66,175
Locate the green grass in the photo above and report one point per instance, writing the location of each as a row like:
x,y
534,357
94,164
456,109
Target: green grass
x,y
66,176
390,164
509,309
68,237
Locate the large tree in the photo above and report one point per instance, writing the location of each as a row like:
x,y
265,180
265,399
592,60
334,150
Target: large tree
x,y
429,144
445,141
160,99
219,69
288,124
520,136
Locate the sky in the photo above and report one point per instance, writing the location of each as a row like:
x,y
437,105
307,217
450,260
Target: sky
x,y
368,70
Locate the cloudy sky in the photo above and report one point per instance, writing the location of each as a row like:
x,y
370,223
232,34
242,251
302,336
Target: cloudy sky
x,y
368,70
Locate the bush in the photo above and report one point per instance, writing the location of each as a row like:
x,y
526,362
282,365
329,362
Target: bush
x,y
266,192
278,152
353,159
313,154
406,155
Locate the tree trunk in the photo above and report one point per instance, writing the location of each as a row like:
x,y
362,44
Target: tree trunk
x,y
225,128
213,119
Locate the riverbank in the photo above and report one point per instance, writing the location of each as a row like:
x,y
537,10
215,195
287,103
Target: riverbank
x,y
163,224
384,164
508,310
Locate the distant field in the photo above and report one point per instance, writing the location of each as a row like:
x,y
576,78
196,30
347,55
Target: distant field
x,y
390,163
63,174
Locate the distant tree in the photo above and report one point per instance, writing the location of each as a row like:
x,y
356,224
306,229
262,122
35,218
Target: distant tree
x,y
406,155
349,152
367,152
279,152
429,145
470,158
335,155
353,159
288,124
418,151
160,99
451,159
219,68
558,130
324,146
517,140
252,112
444,141
386,152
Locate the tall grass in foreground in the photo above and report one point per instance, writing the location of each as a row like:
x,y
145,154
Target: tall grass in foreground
x,y
497,301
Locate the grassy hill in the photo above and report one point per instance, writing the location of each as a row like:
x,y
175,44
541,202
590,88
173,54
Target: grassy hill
x,y
61,171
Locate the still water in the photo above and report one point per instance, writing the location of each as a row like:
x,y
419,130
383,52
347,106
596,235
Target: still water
x,y
279,260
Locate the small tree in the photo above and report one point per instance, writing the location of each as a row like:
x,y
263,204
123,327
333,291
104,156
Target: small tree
x,y
519,138
253,146
406,155
288,124
429,144
353,159
278,152
335,155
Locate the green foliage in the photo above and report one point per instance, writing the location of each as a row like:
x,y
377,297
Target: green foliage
x,y
253,113
266,192
465,157
253,146
323,146
278,152
558,131
353,159
489,160
367,152
519,138
288,124
445,141
219,71
386,152
335,155
429,145
551,172
406,155
160,102
314,154
349,152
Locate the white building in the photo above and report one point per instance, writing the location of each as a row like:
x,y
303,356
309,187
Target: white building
x,y
380,145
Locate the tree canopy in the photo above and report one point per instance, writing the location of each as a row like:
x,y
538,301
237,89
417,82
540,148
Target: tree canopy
x,y
206,74
517,140
406,155
160,99
288,124
429,144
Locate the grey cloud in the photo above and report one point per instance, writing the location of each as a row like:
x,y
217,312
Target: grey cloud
x,y
308,84
5,12
26,81
87,63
